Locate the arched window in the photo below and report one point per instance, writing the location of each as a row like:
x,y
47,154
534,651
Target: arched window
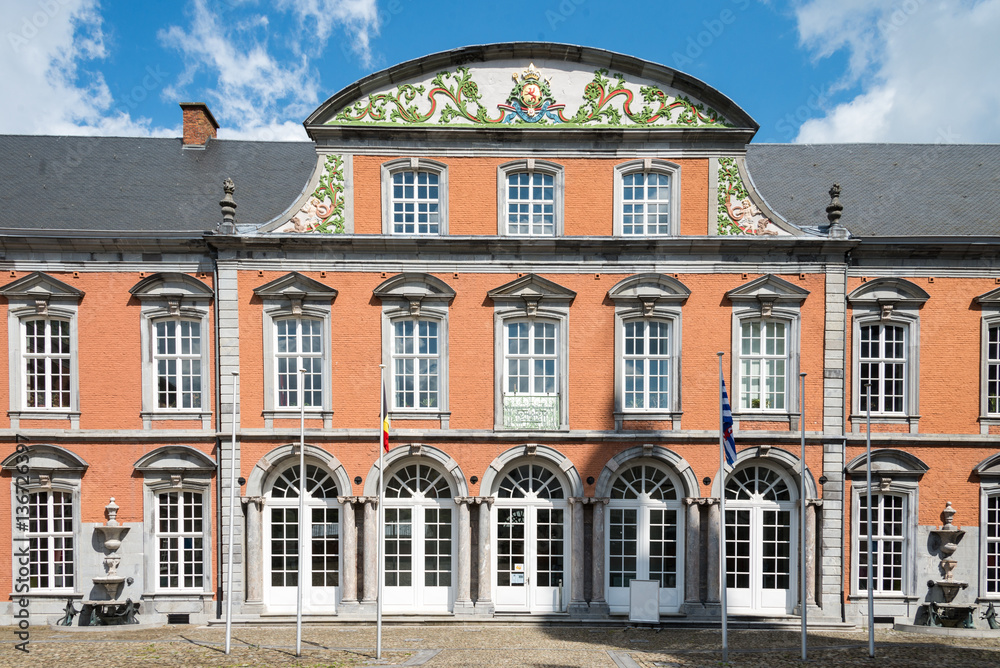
x,y
319,483
530,480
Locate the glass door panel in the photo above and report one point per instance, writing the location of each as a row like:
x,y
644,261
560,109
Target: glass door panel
x,y
511,571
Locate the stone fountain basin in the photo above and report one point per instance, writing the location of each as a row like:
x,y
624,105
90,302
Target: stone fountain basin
x,y
113,536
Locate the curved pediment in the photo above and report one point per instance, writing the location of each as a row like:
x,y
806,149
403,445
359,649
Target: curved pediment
x,y
45,457
888,291
989,468
175,458
530,85
414,286
888,461
170,284
646,287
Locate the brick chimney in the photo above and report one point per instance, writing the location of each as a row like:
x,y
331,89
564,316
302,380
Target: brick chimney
x,y
199,124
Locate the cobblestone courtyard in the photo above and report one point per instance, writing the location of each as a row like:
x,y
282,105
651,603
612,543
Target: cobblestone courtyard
x,y
490,645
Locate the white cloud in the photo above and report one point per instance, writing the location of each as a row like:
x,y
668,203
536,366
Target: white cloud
x,y
359,18
922,66
48,87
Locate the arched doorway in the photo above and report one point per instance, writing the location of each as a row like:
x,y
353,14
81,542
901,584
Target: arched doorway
x,y
319,548
761,528
645,536
419,546
531,539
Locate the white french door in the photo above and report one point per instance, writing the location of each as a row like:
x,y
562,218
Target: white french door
x,y
419,549
530,542
760,533
645,540
317,552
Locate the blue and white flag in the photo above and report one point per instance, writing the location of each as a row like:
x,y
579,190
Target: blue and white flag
x,y
727,429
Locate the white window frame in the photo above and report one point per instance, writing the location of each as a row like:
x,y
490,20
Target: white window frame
x,y
298,359
439,322
561,322
52,535
647,166
879,539
40,297
393,167
415,297
763,357
893,302
988,472
990,305
180,535
649,297
531,166
296,296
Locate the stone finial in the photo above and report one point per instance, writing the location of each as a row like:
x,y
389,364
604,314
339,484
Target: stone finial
x,y
948,514
112,510
228,225
835,208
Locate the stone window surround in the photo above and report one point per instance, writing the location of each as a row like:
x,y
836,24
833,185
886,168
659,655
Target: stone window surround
x,y
531,165
990,305
988,472
175,468
648,165
173,296
392,167
893,472
39,295
417,297
888,301
649,297
58,470
295,296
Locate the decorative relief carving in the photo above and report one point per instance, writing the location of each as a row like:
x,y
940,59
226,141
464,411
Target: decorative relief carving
x,y
455,98
323,212
737,212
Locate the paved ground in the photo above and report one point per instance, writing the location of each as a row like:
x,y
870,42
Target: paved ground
x,y
489,645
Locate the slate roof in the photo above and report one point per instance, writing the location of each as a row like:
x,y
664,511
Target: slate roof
x,y
886,189
130,184
148,185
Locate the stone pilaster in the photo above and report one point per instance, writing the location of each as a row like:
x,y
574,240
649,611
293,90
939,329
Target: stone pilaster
x,y
577,602
484,597
254,601
463,597
712,566
349,556
598,604
370,592
692,556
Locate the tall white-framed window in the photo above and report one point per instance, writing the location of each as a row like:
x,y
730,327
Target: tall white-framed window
x,y
47,363
993,370
991,540
648,348
885,350
414,197
416,363
888,532
180,537
647,198
297,335
530,199
176,360
531,320
415,345
882,363
763,365
51,540
43,349
177,356
298,346
647,364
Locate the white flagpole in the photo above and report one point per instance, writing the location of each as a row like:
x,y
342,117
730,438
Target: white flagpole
x,y
722,523
802,513
381,516
232,495
302,509
871,566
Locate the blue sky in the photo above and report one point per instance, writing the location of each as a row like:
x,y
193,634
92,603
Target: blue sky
x,y
806,70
